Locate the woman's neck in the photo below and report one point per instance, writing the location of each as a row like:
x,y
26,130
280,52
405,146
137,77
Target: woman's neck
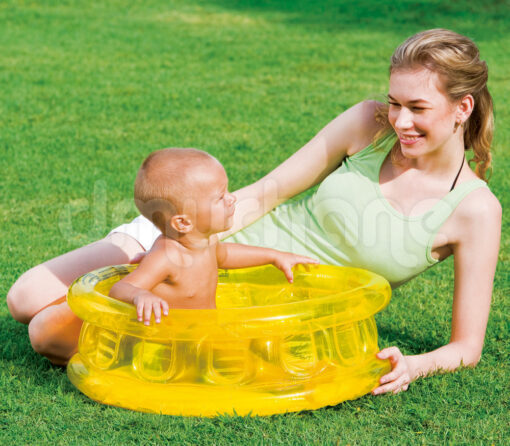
x,y
442,162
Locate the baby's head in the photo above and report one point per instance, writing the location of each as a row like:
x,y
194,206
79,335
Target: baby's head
x,y
184,190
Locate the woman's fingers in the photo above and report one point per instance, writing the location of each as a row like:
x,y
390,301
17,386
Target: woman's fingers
x,y
391,353
392,376
388,352
402,386
398,379
398,368
399,385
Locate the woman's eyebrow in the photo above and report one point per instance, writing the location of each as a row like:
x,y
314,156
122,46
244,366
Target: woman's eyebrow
x,y
410,102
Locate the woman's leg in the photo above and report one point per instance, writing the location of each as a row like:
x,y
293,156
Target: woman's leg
x,y
38,296
54,333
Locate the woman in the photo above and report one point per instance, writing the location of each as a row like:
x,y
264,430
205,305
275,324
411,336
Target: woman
x,y
403,199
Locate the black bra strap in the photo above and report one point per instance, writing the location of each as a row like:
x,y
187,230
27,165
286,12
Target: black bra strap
x,y
458,173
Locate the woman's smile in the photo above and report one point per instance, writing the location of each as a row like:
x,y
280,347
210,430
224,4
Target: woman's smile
x,y
409,140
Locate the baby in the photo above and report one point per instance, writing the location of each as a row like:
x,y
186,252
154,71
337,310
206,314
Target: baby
x,y
184,192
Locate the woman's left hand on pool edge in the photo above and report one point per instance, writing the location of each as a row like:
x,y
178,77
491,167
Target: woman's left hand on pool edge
x,y
399,378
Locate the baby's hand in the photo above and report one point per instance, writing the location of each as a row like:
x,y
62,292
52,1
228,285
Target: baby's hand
x,y
286,260
146,303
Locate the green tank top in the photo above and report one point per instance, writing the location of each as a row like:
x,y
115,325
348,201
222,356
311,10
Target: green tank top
x,y
348,222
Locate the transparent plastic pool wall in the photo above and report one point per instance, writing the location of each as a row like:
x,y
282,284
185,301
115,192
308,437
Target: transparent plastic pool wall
x,y
269,347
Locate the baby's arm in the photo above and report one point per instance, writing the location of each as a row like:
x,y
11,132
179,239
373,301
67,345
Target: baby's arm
x,y
135,287
235,255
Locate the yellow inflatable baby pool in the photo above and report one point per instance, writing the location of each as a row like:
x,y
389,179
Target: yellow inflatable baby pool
x,y
269,347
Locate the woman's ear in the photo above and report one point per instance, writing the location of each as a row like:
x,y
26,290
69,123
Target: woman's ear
x,y
465,108
181,223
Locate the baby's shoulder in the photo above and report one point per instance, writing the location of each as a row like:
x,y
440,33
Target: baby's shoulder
x,y
168,251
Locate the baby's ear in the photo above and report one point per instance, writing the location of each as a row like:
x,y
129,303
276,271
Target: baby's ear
x,y
181,223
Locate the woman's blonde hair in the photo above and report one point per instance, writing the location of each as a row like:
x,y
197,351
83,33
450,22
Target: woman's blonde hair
x,y
456,59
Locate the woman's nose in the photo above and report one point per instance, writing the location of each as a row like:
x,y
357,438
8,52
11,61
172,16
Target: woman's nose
x,y
404,119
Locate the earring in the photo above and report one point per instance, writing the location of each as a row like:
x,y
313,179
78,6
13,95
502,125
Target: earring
x,y
456,126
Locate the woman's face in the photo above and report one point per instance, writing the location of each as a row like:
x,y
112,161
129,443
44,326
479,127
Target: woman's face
x,y
420,112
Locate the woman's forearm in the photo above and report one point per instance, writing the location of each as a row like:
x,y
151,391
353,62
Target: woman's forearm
x,y
308,166
446,358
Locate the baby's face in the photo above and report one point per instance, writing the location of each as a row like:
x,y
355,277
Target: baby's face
x,y
215,206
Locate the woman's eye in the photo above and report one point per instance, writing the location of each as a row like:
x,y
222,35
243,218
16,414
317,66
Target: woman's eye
x,y
394,104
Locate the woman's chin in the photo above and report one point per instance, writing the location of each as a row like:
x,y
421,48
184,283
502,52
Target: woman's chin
x,y
410,154
412,151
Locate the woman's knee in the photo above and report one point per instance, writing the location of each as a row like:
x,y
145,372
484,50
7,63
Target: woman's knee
x,y
54,333
20,297
43,343
38,335
45,284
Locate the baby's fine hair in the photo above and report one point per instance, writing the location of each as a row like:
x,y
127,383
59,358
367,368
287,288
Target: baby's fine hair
x,y
164,182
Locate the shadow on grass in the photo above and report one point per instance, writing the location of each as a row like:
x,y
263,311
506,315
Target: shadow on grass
x,y
407,340
483,20
14,342
17,356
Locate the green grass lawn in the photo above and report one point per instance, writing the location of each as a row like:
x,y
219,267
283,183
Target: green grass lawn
x,y
88,89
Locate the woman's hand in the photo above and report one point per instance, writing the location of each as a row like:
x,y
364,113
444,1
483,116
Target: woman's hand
x,y
400,376
286,260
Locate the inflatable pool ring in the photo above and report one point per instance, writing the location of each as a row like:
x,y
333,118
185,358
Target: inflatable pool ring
x,y
269,346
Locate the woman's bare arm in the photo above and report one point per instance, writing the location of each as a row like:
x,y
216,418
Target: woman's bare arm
x,y
475,259
346,134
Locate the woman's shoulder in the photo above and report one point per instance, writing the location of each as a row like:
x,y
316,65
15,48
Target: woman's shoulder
x,y
475,223
365,125
483,204
480,211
